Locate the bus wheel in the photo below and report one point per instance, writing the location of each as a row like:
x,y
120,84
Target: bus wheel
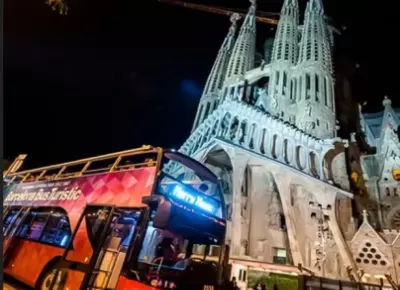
x,y
46,279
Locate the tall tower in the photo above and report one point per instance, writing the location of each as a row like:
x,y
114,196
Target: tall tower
x,y
242,58
316,105
209,99
268,46
284,56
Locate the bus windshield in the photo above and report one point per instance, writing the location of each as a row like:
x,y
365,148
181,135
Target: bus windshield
x,y
186,228
172,249
187,181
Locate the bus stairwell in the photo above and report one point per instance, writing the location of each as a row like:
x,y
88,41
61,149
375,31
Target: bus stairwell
x,y
111,257
105,266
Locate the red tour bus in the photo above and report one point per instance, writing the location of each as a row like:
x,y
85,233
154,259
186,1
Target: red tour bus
x,y
126,220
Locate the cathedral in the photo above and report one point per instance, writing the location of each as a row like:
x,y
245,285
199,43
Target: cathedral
x,y
297,195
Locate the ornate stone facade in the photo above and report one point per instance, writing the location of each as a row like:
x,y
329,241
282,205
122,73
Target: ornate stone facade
x,y
270,135
381,165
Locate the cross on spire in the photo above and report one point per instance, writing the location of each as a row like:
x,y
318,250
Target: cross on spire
x,y
234,19
387,101
253,5
365,216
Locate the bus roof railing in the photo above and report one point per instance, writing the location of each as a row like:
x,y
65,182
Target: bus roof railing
x,y
60,170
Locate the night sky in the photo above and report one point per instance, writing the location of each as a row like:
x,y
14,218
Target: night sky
x,y
117,74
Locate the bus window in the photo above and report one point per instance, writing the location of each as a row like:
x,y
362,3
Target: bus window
x,y
163,248
33,225
206,252
57,231
8,220
126,225
123,227
95,222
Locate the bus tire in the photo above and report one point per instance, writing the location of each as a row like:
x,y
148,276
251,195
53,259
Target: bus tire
x,y
47,275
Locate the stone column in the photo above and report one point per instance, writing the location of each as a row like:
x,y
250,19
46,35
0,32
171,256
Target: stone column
x,y
239,163
258,204
284,192
338,237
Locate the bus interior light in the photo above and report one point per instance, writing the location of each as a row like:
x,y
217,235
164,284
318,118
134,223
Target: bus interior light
x,y
64,241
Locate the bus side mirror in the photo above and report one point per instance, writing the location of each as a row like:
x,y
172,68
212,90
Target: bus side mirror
x,y
161,218
152,200
162,208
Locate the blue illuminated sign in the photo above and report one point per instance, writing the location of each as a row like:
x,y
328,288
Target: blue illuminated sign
x,y
201,202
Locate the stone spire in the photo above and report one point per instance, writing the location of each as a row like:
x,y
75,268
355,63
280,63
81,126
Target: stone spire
x,y
389,144
316,105
209,99
285,44
242,58
281,88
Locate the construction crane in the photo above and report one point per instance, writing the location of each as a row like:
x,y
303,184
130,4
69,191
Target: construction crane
x,y
271,18
263,17
60,6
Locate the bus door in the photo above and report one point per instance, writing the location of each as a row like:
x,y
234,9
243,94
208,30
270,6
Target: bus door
x,y
98,247
12,221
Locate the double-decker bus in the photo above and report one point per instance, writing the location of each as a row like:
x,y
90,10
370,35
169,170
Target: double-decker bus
x,y
117,221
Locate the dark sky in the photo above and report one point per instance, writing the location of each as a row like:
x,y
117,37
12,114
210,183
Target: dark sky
x,y
117,74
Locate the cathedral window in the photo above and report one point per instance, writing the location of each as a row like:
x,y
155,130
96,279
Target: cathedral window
x,y
300,87
370,254
294,90
280,256
277,78
215,105
279,51
308,51
326,87
245,184
286,51
237,68
199,116
316,52
316,88
282,221
207,111
284,82
308,86
387,191
242,275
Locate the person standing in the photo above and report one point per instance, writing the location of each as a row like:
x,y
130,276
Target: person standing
x,y
232,285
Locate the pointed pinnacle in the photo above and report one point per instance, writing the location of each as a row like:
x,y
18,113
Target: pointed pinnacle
x,y
253,5
234,18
